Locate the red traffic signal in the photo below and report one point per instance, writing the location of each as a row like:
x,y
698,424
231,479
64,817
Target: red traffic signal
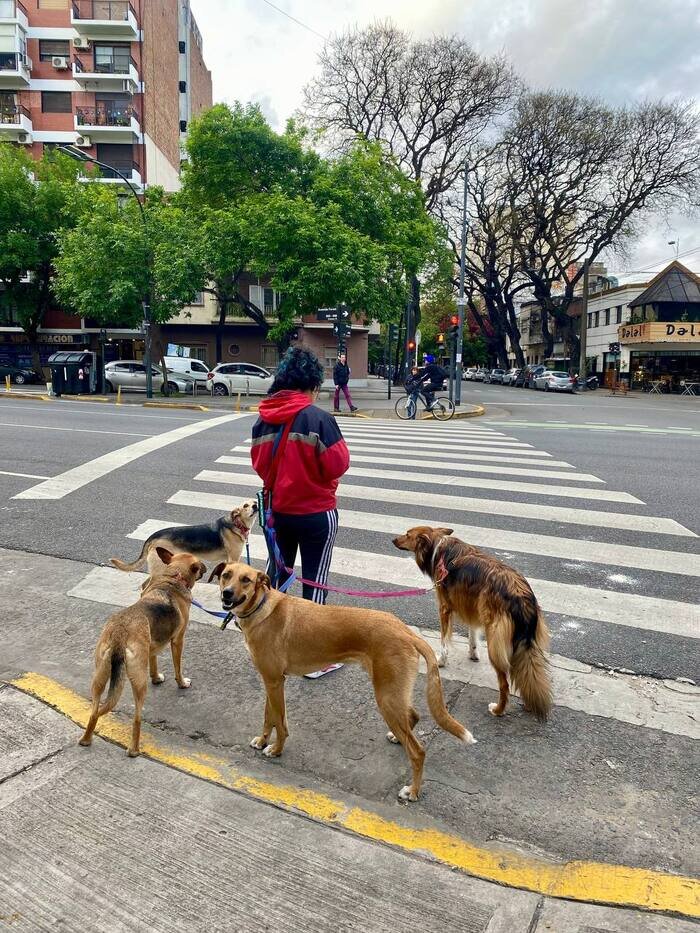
x,y
454,320
411,345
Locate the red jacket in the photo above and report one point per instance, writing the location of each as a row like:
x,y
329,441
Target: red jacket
x,y
314,459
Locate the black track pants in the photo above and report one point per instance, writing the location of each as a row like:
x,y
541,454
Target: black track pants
x,y
314,535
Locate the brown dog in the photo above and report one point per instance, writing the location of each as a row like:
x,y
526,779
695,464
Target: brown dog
x,y
287,635
483,592
133,637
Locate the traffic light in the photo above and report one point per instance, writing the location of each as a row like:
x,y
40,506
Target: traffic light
x,y
441,340
411,346
454,326
393,332
614,347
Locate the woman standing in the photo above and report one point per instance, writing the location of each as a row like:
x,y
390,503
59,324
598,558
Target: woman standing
x,y
300,455
341,377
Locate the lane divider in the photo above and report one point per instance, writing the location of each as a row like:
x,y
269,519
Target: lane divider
x,y
589,882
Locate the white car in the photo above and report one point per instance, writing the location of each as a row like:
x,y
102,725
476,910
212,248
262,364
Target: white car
x,y
231,378
509,377
555,382
468,374
131,376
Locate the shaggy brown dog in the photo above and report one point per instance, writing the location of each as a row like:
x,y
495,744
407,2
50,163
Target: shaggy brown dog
x,y
287,635
133,637
483,592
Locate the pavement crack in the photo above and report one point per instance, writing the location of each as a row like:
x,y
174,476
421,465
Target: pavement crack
x,y
28,767
535,919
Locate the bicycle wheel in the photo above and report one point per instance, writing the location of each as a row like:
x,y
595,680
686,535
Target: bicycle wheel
x,y
443,408
405,408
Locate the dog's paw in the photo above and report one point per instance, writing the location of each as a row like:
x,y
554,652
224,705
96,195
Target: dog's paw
x,y
442,659
468,738
392,738
184,683
258,742
133,752
86,743
406,793
158,679
272,751
493,709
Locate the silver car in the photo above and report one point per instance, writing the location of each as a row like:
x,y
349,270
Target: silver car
x,y
509,377
130,375
555,382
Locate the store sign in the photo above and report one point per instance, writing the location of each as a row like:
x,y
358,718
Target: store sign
x,y
657,332
175,349
61,339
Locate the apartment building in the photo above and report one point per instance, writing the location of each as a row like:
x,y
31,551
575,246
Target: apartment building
x,y
118,79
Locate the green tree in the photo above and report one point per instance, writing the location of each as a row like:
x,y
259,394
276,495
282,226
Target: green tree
x,y
38,199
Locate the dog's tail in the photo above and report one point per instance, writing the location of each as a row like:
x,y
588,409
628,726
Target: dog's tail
x,y
530,671
116,681
134,565
436,698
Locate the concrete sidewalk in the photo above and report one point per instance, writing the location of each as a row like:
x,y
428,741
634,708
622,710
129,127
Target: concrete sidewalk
x,y
95,841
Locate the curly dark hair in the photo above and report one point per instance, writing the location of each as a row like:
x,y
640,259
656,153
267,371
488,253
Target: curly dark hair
x,y
299,369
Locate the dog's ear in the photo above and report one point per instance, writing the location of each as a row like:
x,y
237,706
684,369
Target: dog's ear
x,y
216,572
263,581
445,531
165,555
201,569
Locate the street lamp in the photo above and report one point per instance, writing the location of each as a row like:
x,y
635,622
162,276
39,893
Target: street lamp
x,y
83,157
677,244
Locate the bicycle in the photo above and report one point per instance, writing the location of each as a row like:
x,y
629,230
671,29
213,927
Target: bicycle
x,y
442,408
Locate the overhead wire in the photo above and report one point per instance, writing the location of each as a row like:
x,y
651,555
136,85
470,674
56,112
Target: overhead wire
x,y
295,20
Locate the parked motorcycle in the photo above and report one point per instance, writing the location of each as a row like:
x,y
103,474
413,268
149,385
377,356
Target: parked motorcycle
x,y
587,385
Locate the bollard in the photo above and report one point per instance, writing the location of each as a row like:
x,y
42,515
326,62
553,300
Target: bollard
x,y
119,395
8,384
238,402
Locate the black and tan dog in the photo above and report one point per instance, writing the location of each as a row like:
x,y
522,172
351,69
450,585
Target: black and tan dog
x,y
483,592
223,540
132,639
288,635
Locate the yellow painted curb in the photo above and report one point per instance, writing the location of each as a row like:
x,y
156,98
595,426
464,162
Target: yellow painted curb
x,y
24,395
174,405
480,410
87,398
590,882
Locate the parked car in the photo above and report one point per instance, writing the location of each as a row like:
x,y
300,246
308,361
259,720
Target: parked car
x,y
20,375
555,381
495,375
229,378
131,376
531,373
480,374
196,370
509,377
468,374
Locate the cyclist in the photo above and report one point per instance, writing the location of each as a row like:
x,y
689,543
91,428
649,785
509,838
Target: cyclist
x,y
432,380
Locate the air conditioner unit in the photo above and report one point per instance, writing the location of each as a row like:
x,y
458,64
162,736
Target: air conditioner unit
x,y
60,62
83,142
81,43
25,139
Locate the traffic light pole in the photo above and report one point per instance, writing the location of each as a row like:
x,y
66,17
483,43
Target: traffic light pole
x,y
461,301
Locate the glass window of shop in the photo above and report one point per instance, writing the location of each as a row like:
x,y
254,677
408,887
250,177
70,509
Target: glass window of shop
x,y
669,368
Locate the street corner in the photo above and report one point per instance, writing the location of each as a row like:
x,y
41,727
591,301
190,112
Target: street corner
x,y
410,831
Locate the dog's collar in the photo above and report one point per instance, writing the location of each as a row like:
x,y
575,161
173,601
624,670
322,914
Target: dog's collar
x,y
178,578
241,528
253,611
440,573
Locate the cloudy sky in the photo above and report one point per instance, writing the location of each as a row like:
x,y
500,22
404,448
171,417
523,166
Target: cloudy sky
x,y
621,50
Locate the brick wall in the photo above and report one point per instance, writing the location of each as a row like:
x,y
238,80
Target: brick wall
x,y
200,79
160,75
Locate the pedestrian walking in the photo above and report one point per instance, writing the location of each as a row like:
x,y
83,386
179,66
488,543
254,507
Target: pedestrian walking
x,y
299,453
341,378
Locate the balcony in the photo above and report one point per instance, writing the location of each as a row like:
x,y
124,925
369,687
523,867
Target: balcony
x,y
105,19
116,74
15,124
132,171
15,70
14,12
107,123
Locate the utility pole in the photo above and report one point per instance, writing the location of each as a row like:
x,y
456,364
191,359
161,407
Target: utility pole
x,y
582,365
408,337
461,302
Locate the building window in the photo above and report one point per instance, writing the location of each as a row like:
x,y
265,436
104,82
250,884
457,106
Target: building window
x,y
618,315
183,126
119,157
596,318
590,320
50,47
54,4
197,298
183,86
607,316
112,59
183,47
56,102
265,298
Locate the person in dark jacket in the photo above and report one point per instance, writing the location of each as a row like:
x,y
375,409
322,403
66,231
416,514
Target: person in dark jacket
x,y
433,380
341,377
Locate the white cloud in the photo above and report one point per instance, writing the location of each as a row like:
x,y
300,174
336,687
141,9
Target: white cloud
x,y
620,50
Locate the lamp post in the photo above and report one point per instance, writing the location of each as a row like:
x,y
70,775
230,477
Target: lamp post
x,y
456,368
677,244
146,303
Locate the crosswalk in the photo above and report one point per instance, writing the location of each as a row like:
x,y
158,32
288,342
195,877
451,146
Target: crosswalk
x,y
604,568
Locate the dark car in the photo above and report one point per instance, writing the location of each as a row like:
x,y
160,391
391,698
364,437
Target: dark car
x,y
20,375
520,378
529,374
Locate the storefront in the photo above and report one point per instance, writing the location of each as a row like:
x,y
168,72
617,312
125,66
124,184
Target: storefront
x,y
662,355
15,347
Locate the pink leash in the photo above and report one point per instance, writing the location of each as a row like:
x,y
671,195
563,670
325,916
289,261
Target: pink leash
x,y
367,594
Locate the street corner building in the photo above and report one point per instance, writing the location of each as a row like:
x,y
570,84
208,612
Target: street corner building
x,y
119,79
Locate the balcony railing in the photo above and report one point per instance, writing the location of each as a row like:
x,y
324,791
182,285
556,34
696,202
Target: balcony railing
x,y
105,116
126,169
115,11
12,116
112,67
14,61
9,8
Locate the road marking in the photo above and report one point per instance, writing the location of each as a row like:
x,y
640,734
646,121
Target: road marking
x,y
447,465
458,482
48,427
583,602
520,450
585,426
577,880
65,483
647,702
24,475
534,512
138,412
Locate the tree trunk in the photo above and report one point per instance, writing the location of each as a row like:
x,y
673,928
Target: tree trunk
x,y
514,334
399,356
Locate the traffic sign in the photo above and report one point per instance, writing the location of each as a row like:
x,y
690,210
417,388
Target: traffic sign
x,y
340,330
327,314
